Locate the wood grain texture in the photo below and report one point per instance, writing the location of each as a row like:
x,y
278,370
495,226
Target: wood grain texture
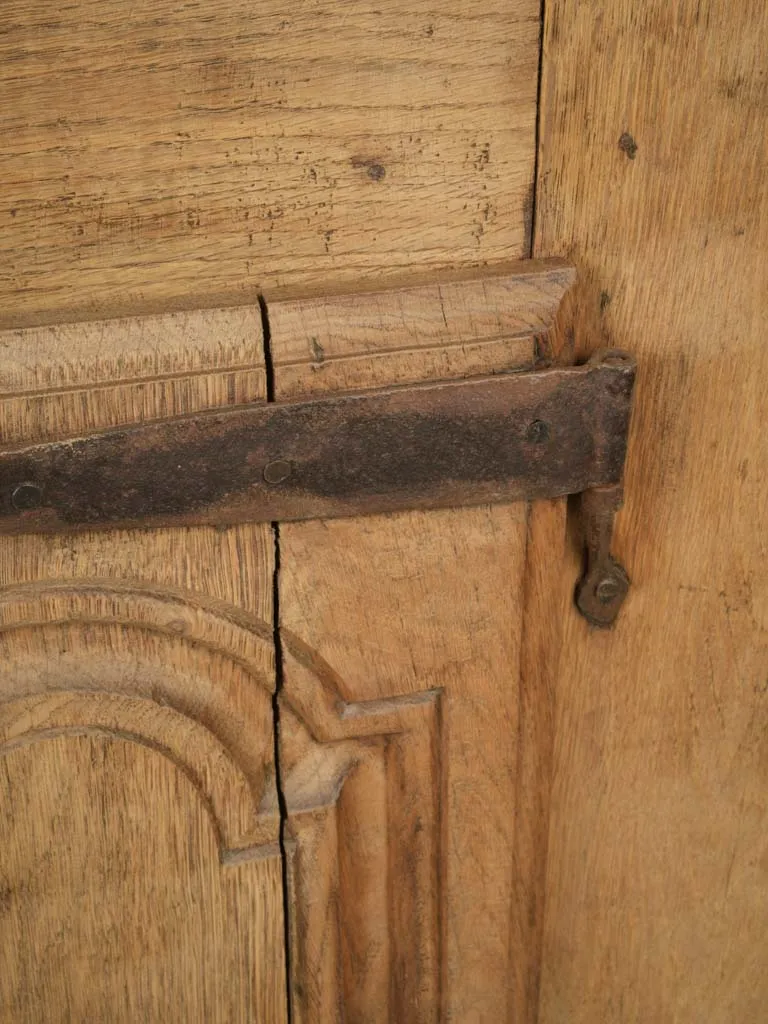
x,y
653,165
402,605
460,325
152,152
546,601
418,601
140,871
60,380
114,897
361,785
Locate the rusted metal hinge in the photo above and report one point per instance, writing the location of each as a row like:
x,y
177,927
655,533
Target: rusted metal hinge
x,y
517,436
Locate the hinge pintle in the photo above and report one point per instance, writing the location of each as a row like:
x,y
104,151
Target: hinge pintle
x,y
601,591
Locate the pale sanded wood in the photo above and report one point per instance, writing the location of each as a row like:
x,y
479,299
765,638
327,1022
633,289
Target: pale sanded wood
x,y
154,151
456,326
547,601
653,178
113,896
400,607
363,839
62,379
140,870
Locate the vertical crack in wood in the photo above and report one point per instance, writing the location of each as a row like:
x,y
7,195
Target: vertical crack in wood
x,y
530,219
281,801
279,680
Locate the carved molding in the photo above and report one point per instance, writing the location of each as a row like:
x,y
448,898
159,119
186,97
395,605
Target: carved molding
x,y
220,784
363,793
312,690
192,679
184,687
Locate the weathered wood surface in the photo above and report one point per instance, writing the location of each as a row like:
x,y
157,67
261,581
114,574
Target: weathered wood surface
x,y
418,656
653,168
157,154
140,872
461,607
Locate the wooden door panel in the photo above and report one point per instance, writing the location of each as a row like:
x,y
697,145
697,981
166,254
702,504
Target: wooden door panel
x,y
404,661
138,839
117,903
407,827
653,169
163,153
447,622
361,782
457,610
140,870
161,159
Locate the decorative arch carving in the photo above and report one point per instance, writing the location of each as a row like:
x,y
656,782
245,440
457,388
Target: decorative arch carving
x,y
193,679
190,679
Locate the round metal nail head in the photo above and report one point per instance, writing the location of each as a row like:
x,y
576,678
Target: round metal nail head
x,y
607,590
26,496
278,471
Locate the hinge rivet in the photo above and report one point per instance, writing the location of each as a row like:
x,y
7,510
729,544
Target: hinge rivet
x,y
26,496
607,590
277,471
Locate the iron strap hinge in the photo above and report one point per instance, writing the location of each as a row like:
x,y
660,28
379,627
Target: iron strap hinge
x,y
516,436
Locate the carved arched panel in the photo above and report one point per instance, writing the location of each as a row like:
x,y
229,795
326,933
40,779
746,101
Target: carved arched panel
x,y
137,764
141,842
